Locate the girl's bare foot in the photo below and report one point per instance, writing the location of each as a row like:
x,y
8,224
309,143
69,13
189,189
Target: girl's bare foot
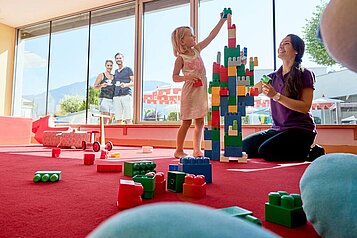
x,y
197,154
179,154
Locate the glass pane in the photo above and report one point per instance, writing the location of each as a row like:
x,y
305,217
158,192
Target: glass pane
x,y
68,69
112,31
161,97
253,31
333,101
31,72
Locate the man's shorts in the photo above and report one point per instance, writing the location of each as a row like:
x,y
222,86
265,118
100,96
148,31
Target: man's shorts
x,y
123,107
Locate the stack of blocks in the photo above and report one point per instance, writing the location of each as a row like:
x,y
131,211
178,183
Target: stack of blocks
x,y
231,93
285,209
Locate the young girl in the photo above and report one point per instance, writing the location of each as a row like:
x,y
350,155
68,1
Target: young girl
x,y
194,99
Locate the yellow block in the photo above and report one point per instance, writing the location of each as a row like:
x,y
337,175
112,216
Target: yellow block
x,y
216,100
232,70
241,90
232,108
215,91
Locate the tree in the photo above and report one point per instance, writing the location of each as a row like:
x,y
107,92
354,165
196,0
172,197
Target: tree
x,y
313,45
71,104
92,97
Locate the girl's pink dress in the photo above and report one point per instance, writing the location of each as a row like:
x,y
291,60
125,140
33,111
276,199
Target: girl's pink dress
x,y
194,100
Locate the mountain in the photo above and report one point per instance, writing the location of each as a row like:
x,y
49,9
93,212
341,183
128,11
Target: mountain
x,y
78,88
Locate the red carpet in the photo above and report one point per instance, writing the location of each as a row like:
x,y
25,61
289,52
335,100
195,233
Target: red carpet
x,y
84,198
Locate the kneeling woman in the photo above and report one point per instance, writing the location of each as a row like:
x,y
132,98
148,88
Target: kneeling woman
x,y
291,92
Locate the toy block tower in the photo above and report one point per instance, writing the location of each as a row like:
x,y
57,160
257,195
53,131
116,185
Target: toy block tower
x,y
231,92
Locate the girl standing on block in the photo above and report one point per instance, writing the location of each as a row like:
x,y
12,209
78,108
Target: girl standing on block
x,y
291,91
194,97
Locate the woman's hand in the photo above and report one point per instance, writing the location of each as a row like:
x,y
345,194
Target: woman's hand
x,y
103,85
268,90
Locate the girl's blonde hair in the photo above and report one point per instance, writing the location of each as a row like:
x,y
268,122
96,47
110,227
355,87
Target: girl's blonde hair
x,y
176,37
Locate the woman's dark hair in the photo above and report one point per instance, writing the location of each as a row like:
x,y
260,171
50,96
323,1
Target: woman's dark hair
x,y
293,85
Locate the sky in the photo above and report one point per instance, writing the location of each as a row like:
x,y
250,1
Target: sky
x,y
254,31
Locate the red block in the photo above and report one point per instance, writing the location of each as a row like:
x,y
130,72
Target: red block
x,y
89,158
109,167
223,92
216,119
249,73
232,43
103,154
194,186
129,194
198,83
223,74
215,68
233,26
56,152
160,183
253,92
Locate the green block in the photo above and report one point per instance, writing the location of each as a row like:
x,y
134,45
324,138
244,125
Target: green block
x,y
47,176
265,79
251,81
226,11
241,213
230,52
285,209
251,65
233,140
148,183
224,84
216,134
138,168
175,180
215,108
232,100
241,70
215,77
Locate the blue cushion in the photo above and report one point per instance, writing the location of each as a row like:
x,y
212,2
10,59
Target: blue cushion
x,y
176,220
329,193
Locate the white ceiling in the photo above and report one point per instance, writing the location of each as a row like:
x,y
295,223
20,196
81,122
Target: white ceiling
x,y
16,13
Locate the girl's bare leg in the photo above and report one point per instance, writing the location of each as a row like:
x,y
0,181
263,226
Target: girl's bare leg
x,y
180,138
197,137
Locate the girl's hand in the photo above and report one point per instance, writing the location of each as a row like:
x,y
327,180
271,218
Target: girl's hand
x,y
268,90
103,85
191,79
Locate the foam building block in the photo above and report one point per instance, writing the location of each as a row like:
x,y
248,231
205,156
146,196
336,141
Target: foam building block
x,y
129,194
175,180
160,183
47,176
148,182
242,213
109,168
88,158
285,209
196,166
56,152
194,186
138,168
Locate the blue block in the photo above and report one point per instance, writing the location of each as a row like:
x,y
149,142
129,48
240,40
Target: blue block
x,y
173,167
197,166
216,150
232,151
228,120
224,105
248,100
232,85
208,153
242,108
207,134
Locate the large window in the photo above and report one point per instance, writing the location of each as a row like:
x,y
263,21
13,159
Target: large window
x,y
31,71
161,97
68,69
112,31
57,62
335,95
